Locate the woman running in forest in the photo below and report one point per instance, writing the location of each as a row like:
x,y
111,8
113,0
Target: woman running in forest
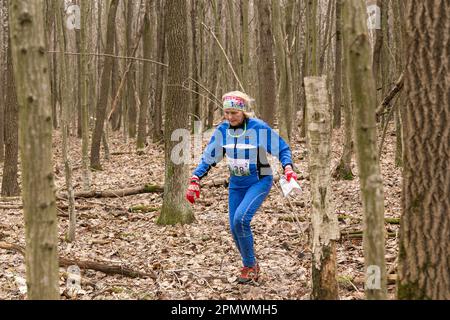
x,y
245,141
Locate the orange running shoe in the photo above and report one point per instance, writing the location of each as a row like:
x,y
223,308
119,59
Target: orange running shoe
x,y
249,274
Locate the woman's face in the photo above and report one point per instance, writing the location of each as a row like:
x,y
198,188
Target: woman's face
x,y
235,117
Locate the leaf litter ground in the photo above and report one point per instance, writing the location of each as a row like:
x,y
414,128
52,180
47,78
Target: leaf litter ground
x,y
198,261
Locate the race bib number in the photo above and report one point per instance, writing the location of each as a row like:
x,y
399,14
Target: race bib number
x,y
239,167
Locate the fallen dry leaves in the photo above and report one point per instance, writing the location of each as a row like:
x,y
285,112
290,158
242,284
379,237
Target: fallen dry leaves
x,y
197,261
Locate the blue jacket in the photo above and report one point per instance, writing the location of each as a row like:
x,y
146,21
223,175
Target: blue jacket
x,y
245,148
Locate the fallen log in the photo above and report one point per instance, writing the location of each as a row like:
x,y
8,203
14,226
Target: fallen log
x,y
84,264
341,217
59,206
358,234
142,208
10,199
148,188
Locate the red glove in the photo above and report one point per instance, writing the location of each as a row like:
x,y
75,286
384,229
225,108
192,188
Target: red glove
x,y
289,173
193,190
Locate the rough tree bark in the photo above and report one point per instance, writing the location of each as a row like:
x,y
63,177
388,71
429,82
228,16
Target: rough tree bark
x,y
175,208
324,221
337,106
362,84
65,117
146,82
266,65
245,45
131,76
344,168
311,65
217,58
35,136
160,73
285,113
83,96
104,89
10,186
424,251
399,54
196,55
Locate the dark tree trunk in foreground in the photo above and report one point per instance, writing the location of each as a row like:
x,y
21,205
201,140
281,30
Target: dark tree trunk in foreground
x,y
424,254
33,95
175,208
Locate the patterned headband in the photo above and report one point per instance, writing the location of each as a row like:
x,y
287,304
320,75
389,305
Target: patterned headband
x,y
233,102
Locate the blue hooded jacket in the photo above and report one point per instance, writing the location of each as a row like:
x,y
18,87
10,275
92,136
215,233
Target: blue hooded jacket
x,y
245,148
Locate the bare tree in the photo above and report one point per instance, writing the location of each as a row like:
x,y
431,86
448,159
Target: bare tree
x,y
337,107
104,89
175,208
266,65
10,186
33,95
131,75
160,72
324,220
146,82
362,84
424,264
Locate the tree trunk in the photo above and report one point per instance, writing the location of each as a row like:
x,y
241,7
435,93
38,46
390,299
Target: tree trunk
x,y
312,60
116,116
55,73
2,111
399,54
214,75
233,40
160,72
175,208
362,84
324,221
195,99
4,35
49,31
326,45
79,85
10,186
146,82
311,66
424,264
131,76
337,106
33,95
283,65
65,119
386,76
104,89
266,65
245,48
83,96
377,52
344,168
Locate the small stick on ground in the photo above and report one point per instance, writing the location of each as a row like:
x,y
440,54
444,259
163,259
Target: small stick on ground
x,y
84,264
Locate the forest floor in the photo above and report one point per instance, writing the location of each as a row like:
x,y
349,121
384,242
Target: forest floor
x,y
198,261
